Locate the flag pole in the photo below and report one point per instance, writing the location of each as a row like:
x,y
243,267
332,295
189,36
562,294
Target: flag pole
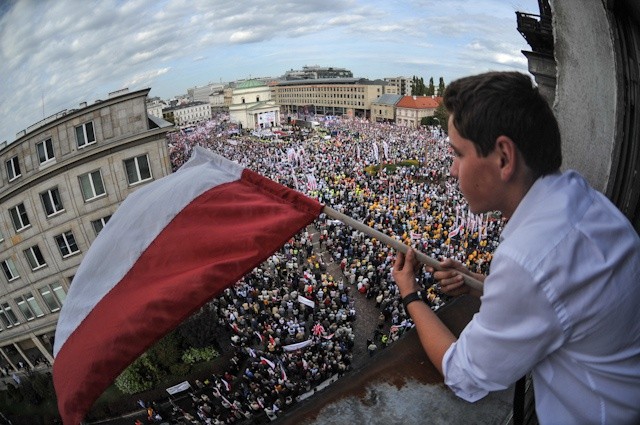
x,y
395,244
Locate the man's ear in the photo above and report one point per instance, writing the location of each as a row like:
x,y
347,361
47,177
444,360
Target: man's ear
x,y
507,152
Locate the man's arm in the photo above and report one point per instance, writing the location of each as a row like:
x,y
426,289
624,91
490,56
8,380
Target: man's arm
x,y
434,336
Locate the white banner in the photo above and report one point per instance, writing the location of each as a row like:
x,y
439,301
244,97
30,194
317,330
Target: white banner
x,y
306,301
183,386
297,345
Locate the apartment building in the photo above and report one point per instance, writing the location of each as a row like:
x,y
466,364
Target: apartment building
x,y
330,96
188,114
403,85
60,182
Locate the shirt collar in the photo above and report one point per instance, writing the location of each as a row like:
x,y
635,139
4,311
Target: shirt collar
x,y
536,194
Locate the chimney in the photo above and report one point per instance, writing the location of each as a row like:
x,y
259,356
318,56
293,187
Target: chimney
x,y
83,104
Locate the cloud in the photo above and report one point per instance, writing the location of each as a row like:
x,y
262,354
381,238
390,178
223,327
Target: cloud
x,y
72,51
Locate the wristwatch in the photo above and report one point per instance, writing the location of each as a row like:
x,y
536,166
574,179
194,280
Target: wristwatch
x,y
414,296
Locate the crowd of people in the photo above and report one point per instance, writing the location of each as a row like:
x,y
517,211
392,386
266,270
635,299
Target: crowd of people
x,y
291,320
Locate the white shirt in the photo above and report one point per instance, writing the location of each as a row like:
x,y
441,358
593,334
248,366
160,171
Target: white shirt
x,y
562,300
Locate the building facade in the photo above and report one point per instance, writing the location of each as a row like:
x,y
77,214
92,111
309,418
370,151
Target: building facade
x,y
383,109
252,106
61,181
155,107
188,114
411,109
330,96
403,85
317,72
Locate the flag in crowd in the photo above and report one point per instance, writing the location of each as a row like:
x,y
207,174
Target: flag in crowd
x,y
233,218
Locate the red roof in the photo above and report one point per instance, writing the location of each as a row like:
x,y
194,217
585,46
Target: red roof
x,y
419,102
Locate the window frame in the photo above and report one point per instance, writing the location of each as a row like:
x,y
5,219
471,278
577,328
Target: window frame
x,y
21,216
85,140
48,197
31,306
13,168
136,163
10,270
48,293
65,236
7,311
92,184
33,260
47,149
102,221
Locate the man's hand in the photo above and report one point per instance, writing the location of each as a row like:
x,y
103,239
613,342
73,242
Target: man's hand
x,y
404,272
450,278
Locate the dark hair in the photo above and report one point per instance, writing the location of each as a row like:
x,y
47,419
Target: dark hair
x,y
493,104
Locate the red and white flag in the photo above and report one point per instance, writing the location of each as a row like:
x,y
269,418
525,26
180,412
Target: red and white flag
x,y
268,362
172,246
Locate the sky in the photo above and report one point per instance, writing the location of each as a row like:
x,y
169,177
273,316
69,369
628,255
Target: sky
x,y
56,54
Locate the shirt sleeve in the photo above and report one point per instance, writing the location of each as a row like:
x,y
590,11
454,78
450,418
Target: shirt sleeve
x,y
515,328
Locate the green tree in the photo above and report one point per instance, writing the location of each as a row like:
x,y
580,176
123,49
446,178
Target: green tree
x,y
430,91
166,352
141,375
418,88
442,116
441,87
201,330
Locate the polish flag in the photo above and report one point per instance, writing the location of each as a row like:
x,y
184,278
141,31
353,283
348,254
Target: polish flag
x,y
268,362
172,246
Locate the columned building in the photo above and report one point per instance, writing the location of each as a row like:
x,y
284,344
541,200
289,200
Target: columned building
x,y
252,106
61,181
330,96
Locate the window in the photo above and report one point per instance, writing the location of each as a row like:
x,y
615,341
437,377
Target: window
x,y
67,244
29,307
99,224
91,185
9,269
85,135
9,318
137,169
53,296
35,257
19,217
51,202
13,168
45,151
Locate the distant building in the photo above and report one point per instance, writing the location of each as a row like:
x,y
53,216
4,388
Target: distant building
x,y
411,109
383,109
188,114
61,181
155,106
329,96
317,72
403,85
201,94
252,107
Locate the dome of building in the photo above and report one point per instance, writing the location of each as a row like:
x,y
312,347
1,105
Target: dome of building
x,y
250,84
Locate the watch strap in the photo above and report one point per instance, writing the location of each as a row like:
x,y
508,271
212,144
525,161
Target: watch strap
x,y
414,296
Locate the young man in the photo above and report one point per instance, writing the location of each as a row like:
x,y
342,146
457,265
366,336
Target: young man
x,y
562,298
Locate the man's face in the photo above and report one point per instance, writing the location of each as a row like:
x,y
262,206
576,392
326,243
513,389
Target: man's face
x,y
478,177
